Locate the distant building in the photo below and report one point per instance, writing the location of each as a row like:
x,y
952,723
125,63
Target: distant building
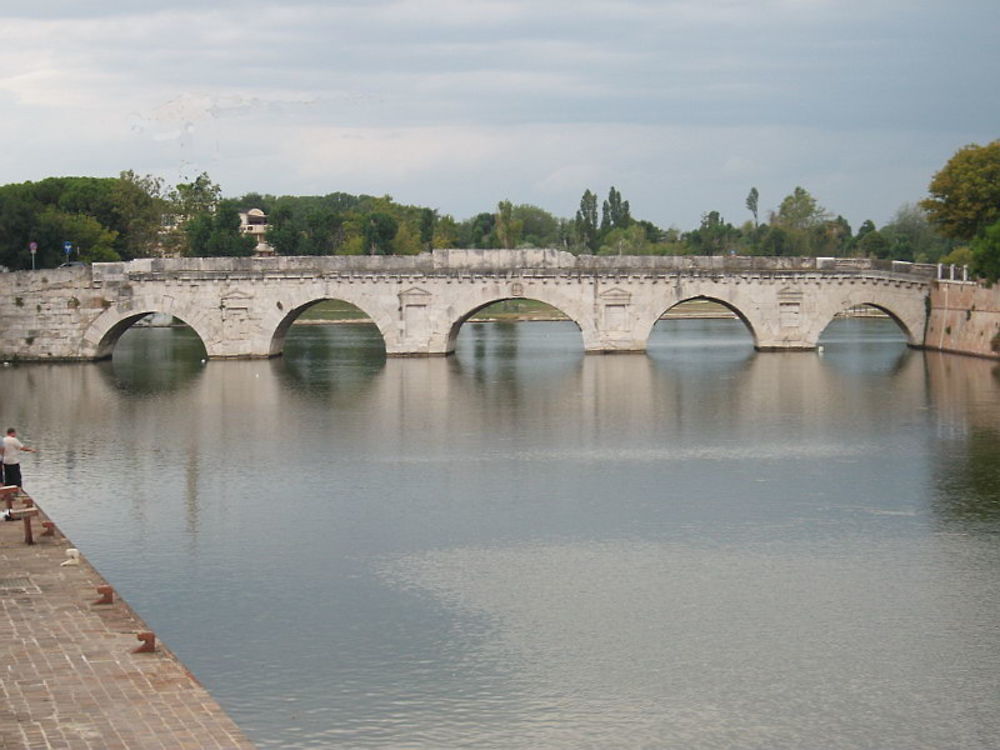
x,y
254,223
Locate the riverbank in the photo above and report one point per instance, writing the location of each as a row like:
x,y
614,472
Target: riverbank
x,y
72,675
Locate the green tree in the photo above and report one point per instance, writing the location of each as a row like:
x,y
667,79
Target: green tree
x,y
586,222
752,199
775,240
90,196
190,202
539,228
508,228
714,237
960,256
445,232
804,224
799,211
198,196
913,237
255,200
654,235
197,231
873,244
90,239
80,210
986,253
282,234
428,217
138,205
478,231
615,213
227,239
218,233
867,226
834,237
17,213
626,241
130,206
965,194
319,228
379,231
407,239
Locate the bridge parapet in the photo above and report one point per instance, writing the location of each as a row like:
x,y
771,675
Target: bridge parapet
x,y
459,261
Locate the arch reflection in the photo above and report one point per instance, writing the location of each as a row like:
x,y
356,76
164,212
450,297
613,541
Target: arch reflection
x,y
701,331
508,313
325,312
151,359
330,358
865,342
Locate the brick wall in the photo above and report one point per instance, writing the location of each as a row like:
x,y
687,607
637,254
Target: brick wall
x,y
965,319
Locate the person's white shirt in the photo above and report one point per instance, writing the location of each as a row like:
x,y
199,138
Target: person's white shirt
x,y
12,448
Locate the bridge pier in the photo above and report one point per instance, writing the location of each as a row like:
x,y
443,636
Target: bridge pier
x,y
615,344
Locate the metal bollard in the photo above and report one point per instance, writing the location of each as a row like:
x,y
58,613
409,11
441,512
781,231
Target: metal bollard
x,y
148,643
107,595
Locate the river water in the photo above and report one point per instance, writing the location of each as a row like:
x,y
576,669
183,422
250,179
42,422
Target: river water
x,y
524,547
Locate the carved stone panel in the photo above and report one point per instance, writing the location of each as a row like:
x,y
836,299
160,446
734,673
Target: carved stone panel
x,y
413,305
236,314
789,314
615,318
615,303
615,297
790,307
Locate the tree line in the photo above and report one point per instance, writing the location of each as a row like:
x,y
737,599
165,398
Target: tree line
x,y
132,216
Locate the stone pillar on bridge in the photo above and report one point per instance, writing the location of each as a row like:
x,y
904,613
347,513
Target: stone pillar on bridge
x,y
619,324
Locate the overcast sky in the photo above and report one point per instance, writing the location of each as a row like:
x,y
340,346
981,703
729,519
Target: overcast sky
x,y
458,104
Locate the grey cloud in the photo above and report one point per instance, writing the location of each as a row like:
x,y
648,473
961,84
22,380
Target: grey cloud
x,y
852,74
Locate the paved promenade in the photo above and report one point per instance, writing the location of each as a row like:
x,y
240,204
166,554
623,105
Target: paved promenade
x,y
69,677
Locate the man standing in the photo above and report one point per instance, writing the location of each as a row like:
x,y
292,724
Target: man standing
x,y
12,448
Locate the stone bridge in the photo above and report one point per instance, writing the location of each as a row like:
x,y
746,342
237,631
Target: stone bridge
x,y
243,307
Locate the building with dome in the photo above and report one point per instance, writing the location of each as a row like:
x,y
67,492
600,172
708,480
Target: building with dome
x,y
254,223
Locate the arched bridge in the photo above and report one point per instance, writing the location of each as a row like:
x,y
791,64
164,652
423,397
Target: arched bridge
x,y
243,307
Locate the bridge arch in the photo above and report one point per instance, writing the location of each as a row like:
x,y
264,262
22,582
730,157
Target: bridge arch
x,y
903,307
100,338
455,323
733,308
279,331
900,323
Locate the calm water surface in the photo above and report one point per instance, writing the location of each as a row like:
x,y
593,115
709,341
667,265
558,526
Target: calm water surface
x,y
524,547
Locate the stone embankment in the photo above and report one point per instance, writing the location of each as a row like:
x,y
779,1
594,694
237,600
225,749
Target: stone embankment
x,y
81,670
964,319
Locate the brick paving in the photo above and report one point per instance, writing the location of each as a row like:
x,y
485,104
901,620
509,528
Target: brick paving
x,y
68,675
